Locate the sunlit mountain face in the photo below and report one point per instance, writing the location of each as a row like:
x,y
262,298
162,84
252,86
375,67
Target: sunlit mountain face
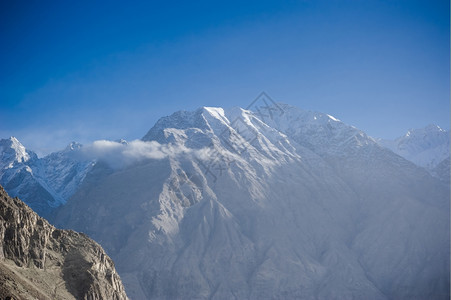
x,y
275,202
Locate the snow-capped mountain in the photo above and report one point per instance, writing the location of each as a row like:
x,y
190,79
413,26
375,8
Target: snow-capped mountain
x,y
427,147
278,203
12,152
43,183
64,171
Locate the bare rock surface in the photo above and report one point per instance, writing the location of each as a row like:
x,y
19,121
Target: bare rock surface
x,y
39,261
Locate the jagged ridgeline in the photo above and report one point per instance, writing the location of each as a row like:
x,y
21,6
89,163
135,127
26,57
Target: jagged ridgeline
x,y
39,261
247,205
274,203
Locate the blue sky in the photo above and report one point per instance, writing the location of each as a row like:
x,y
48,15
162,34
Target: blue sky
x,y
107,70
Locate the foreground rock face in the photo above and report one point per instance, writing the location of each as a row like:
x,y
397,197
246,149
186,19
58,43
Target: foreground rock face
x,y
38,261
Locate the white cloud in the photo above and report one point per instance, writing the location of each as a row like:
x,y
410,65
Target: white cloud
x,y
119,155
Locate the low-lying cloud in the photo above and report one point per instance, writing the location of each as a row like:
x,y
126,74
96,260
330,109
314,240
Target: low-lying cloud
x,y
121,154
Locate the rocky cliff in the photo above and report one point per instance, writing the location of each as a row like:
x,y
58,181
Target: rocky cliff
x,y
39,261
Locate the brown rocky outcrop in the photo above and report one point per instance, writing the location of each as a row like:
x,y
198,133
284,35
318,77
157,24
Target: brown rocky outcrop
x,y
39,261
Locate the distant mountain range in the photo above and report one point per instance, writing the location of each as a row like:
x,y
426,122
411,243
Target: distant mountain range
x,y
48,182
273,203
43,183
427,147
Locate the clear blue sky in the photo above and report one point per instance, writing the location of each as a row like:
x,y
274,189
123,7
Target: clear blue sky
x,y
79,70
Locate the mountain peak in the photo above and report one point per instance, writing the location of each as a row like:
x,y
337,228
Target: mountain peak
x,y
122,141
294,114
11,151
184,120
217,111
274,197
426,147
73,146
12,142
429,129
333,118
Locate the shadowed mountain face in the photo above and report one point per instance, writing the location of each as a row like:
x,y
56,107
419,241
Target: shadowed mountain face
x,y
282,204
38,261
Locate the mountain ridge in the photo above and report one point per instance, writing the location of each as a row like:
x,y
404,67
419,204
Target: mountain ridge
x,y
57,176
44,183
426,147
258,211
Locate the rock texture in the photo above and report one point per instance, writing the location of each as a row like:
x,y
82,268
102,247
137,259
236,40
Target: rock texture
x,y
39,261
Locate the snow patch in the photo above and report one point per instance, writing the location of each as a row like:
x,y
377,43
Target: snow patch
x,y
332,118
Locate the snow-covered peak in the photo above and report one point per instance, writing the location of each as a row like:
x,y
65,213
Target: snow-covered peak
x,y
289,113
255,215
122,141
430,129
231,131
426,132
217,112
12,151
426,147
73,146
333,118
43,183
179,120
320,132
20,152
284,116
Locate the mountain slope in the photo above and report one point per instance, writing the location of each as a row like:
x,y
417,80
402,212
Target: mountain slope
x,y
442,171
43,183
297,205
38,261
426,147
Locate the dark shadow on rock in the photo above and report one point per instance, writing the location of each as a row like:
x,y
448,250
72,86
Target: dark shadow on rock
x,y
76,275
